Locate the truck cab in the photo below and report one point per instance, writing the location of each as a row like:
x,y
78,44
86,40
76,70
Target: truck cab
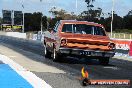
x,y
78,38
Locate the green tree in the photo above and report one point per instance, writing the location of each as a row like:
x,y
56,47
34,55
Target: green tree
x,y
44,22
128,20
52,21
91,14
28,22
57,12
33,21
0,20
89,6
60,13
94,15
117,22
36,21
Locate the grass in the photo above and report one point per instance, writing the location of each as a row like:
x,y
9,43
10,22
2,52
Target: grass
x,y
122,34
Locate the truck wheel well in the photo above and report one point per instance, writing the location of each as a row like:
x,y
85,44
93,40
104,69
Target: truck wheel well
x,y
53,45
44,42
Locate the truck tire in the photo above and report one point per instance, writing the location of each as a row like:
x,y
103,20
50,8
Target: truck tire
x,y
55,55
104,60
47,54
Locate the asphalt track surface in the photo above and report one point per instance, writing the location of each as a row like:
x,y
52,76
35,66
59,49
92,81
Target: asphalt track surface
x,y
117,69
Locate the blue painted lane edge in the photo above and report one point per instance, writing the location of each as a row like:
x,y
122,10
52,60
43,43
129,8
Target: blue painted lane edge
x,y
10,79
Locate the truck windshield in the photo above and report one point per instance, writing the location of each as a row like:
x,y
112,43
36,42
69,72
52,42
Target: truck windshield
x,y
67,28
83,29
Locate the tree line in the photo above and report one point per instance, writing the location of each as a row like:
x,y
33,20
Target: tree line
x,y
120,24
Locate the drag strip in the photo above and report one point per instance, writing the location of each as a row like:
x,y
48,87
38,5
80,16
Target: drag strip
x,y
117,69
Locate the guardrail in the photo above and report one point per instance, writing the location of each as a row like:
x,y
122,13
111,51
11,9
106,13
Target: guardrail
x,y
30,36
16,34
123,47
120,36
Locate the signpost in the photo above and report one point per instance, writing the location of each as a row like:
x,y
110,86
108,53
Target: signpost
x,y
41,21
23,18
112,17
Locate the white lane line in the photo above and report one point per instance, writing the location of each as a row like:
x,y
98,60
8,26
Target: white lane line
x,y
114,68
35,81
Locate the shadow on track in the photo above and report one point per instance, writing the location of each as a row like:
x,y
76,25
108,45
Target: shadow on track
x,y
86,61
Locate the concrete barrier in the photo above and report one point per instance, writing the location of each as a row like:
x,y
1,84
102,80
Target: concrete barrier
x,y
123,47
130,51
16,34
39,37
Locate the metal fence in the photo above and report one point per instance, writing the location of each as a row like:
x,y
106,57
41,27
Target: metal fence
x,y
120,35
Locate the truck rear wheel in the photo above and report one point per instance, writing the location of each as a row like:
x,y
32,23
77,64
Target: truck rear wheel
x,y
55,55
47,54
104,60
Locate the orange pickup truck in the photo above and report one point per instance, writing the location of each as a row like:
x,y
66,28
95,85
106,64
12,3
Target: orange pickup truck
x,y
78,38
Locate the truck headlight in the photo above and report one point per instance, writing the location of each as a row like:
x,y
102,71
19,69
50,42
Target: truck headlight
x,y
63,42
111,46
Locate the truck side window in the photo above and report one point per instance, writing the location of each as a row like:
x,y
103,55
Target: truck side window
x,y
67,28
88,29
83,29
99,31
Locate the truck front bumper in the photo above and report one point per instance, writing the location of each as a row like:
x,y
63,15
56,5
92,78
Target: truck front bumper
x,y
84,52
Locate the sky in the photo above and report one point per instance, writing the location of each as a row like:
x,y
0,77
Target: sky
x,y
121,7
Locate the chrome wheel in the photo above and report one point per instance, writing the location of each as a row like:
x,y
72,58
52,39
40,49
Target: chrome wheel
x,y
55,55
45,50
